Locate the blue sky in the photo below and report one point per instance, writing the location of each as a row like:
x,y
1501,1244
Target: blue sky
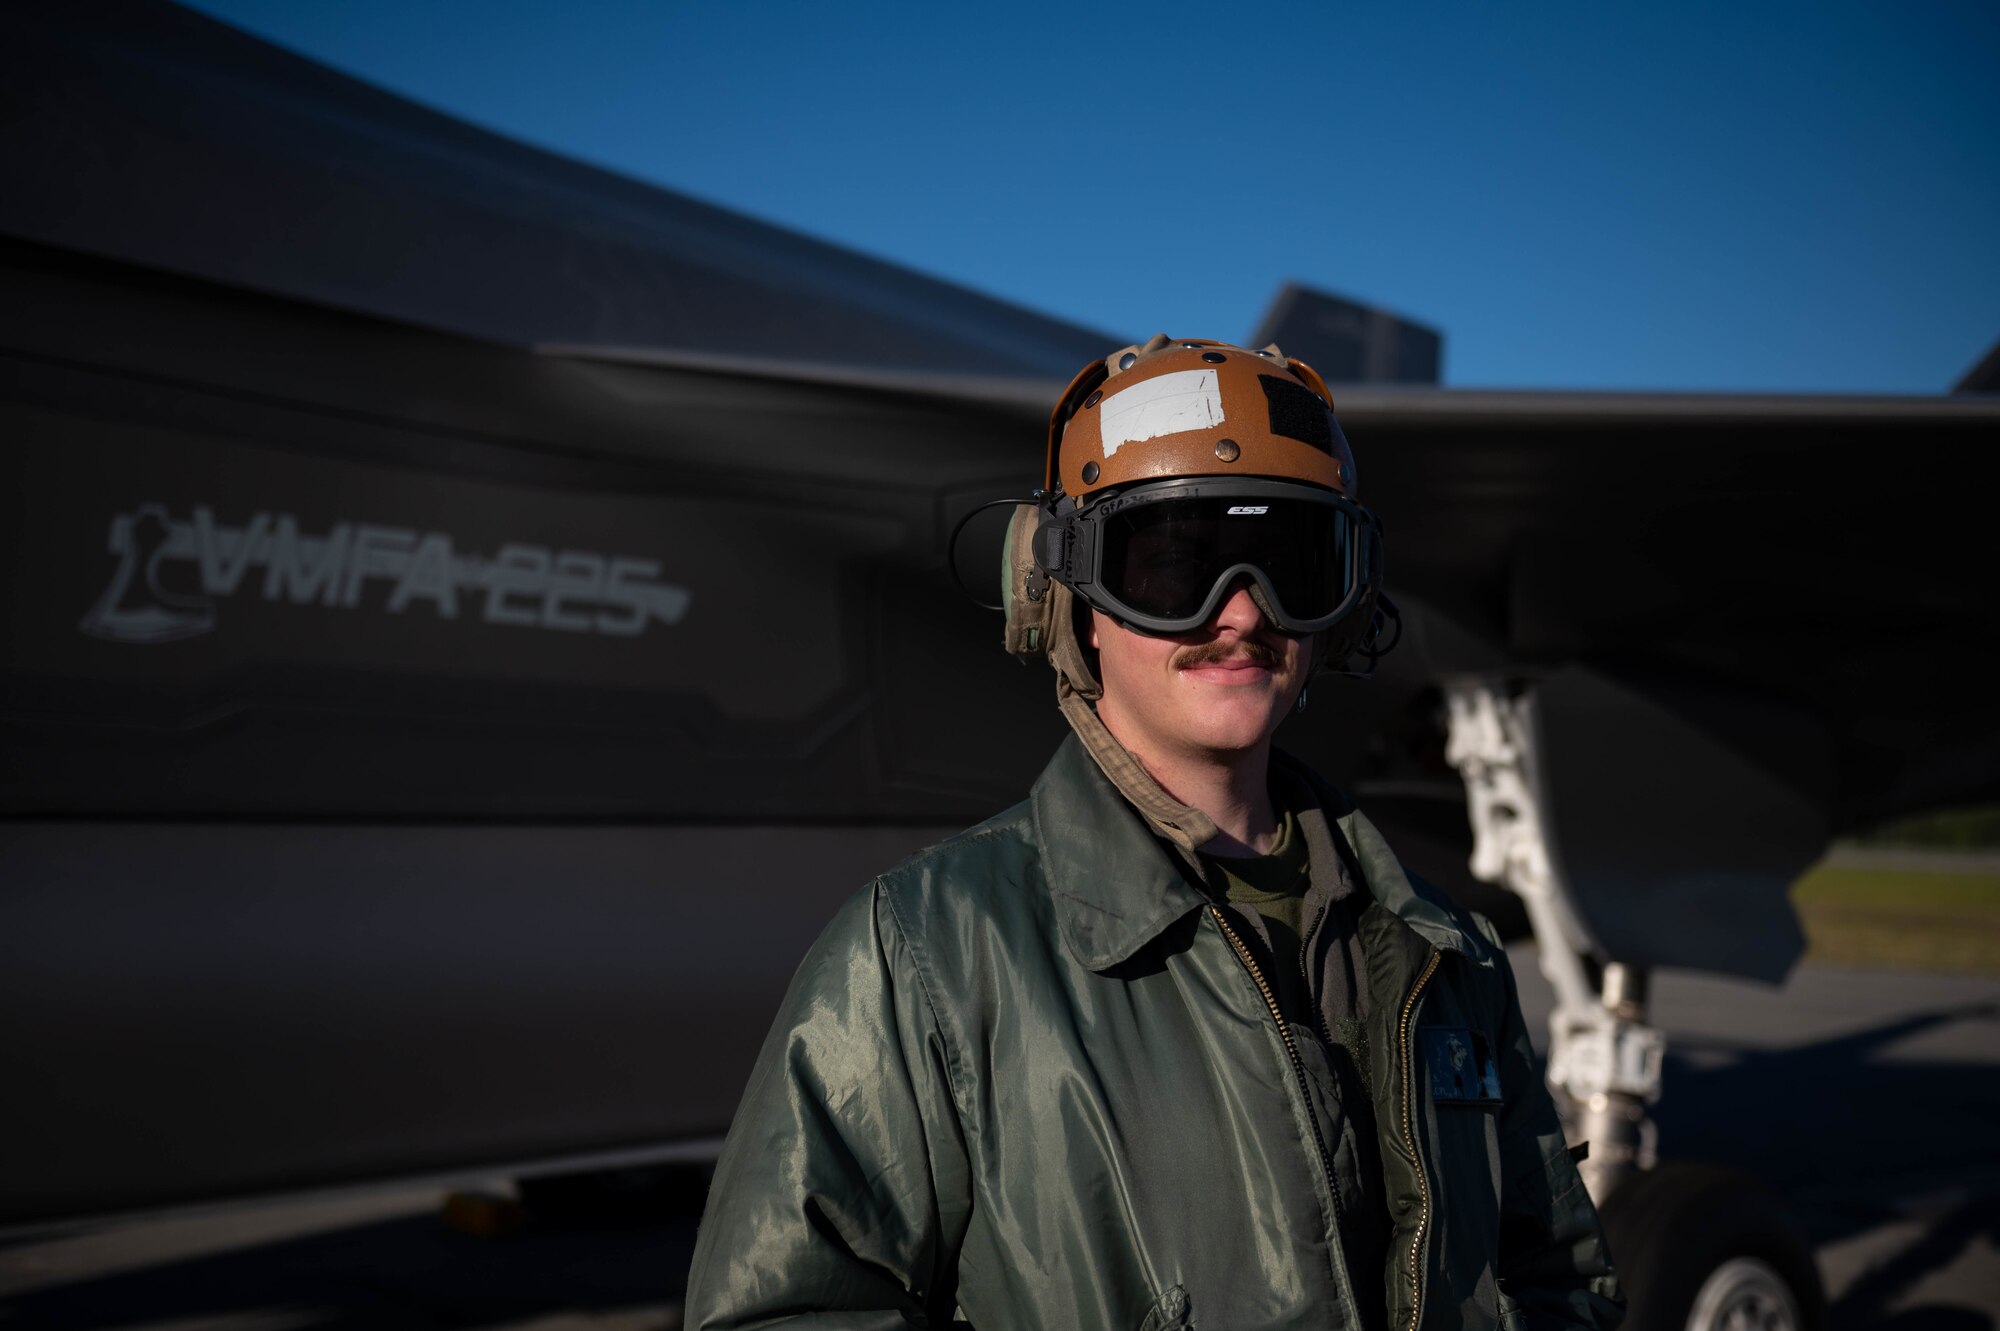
x,y
1777,196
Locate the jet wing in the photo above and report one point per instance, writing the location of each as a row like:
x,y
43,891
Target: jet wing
x,y
144,132
444,584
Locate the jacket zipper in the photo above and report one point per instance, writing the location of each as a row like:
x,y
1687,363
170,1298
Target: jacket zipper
x,y
1305,1090
1410,1140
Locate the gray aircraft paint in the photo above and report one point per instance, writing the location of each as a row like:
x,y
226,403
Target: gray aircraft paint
x,y
1777,602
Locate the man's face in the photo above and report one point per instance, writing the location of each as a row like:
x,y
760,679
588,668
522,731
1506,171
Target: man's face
x,y
1220,689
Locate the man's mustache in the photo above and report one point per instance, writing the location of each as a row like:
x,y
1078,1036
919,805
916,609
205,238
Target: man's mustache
x,y
1257,653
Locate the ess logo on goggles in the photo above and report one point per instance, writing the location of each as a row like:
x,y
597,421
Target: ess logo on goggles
x,y
1163,556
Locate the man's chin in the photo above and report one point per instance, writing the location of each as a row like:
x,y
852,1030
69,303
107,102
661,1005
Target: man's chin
x,y
1236,734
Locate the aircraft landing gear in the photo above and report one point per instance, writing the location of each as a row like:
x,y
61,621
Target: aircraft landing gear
x,y
1698,1247
1602,1053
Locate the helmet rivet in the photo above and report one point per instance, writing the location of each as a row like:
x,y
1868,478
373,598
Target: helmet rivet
x,y
1125,361
1227,450
1092,400
1214,357
1339,471
1090,473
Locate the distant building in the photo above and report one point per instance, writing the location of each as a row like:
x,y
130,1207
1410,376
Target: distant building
x,y
1981,378
1350,343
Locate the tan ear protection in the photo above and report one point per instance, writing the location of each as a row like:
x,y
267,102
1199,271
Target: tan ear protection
x,y
1041,611
1024,588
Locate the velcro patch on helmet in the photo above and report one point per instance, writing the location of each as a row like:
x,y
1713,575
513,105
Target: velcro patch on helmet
x,y
1298,413
1166,404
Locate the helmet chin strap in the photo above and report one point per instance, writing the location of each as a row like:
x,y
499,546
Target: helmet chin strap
x,y
1077,689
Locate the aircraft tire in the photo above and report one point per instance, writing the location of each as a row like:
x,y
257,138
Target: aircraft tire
x,y
1696,1244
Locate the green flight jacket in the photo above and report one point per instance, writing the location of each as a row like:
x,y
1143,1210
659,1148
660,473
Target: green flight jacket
x,y
1025,1080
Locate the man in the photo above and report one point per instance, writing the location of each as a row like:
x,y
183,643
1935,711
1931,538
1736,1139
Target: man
x,y
1175,1042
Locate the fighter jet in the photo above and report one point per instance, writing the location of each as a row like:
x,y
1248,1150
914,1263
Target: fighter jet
x,y
472,616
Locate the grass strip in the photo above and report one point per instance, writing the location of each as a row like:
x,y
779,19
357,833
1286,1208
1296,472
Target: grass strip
x,y
1906,919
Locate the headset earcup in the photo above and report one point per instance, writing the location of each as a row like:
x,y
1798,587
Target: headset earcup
x,y
1024,588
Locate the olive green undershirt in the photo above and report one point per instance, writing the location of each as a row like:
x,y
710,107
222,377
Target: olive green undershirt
x,y
1274,885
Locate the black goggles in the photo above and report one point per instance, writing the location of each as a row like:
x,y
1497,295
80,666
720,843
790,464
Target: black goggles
x,y
1162,557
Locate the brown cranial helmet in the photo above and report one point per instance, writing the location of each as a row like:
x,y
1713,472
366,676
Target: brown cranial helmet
x,y
1177,471
1195,408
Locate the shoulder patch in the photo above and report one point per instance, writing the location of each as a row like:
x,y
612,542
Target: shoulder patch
x,y
1461,1065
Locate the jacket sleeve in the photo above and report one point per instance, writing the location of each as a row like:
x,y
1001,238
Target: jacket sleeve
x,y
841,1196
1553,1268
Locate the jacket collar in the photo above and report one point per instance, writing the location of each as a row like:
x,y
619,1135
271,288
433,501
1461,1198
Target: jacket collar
x,y
1117,887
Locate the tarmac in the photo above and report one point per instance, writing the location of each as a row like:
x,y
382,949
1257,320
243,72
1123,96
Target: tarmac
x,y
1871,1098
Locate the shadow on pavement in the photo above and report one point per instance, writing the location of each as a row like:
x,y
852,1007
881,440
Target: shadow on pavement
x,y
1866,1302
1831,1121
1854,1138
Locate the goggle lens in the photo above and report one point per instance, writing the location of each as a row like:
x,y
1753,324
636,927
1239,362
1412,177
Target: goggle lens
x,y
1162,559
